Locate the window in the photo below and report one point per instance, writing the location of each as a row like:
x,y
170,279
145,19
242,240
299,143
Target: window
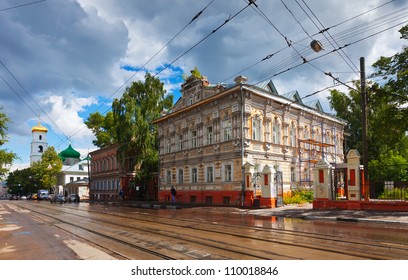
x,y
40,137
209,135
226,130
256,129
168,144
293,136
180,142
71,179
194,139
210,174
292,174
276,133
40,149
194,175
180,176
168,177
228,173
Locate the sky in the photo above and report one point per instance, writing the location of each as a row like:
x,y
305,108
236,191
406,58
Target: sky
x,y
62,60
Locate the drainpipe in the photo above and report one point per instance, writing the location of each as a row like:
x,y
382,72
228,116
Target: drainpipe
x,y
242,148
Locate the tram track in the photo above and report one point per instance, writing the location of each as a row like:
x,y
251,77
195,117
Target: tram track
x,y
281,241
361,247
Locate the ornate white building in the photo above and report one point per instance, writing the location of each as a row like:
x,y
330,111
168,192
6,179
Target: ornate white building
x,y
242,144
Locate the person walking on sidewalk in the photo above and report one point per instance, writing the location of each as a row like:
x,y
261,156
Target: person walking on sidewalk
x,y
173,194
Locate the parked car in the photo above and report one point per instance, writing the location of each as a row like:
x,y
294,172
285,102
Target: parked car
x,y
73,198
57,198
42,194
14,197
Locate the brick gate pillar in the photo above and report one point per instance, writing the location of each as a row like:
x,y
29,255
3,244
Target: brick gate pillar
x,y
322,180
353,175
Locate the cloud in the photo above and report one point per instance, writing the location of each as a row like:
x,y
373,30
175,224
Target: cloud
x,y
67,57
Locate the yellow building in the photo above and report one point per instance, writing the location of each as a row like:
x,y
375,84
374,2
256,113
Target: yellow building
x,y
242,144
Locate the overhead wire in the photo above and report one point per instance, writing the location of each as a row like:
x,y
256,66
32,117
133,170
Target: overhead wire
x,y
22,5
271,70
307,48
205,37
145,64
349,62
30,96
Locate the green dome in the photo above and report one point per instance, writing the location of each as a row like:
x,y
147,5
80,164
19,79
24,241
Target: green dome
x,y
69,153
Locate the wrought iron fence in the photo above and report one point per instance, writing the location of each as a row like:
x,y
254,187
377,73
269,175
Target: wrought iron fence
x,y
389,190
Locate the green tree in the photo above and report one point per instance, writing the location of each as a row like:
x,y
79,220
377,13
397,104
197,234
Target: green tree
x,y
103,127
23,182
387,125
47,169
6,157
134,113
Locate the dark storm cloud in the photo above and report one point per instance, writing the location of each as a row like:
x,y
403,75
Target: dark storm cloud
x,y
56,47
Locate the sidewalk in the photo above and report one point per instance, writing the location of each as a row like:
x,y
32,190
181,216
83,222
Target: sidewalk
x,y
305,211
301,211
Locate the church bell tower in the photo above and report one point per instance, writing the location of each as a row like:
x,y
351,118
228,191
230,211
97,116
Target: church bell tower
x,y
38,143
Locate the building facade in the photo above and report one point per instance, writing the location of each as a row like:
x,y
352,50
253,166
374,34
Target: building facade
x,y
73,170
242,144
111,181
106,176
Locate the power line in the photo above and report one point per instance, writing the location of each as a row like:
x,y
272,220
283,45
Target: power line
x,y
29,95
350,62
144,65
22,5
308,50
203,39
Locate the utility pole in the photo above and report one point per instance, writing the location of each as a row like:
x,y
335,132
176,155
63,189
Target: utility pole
x,y
364,110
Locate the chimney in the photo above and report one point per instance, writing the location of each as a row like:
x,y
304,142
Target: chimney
x,y
240,80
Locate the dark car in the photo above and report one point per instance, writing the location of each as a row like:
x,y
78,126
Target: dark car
x,y
57,198
73,198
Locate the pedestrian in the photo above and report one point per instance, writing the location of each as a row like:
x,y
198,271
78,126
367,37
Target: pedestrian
x,y
173,194
121,193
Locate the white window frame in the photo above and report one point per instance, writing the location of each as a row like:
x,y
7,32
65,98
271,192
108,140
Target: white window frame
x,y
209,174
228,172
194,139
256,129
293,136
180,176
276,133
209,135
226,130
194,175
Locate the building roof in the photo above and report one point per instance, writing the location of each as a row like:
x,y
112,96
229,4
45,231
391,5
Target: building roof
x,y
39,128
69,153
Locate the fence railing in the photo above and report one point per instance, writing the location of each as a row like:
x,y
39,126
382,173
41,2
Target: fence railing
x,y
389,190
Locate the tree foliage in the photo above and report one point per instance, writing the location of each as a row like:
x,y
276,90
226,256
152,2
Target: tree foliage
x,y
23,182
134,113
103,127
47,169
6,157
388,111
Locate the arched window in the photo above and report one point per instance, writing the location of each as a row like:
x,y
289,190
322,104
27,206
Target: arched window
x,y
40,149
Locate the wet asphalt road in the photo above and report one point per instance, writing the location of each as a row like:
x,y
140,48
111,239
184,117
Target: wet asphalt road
x,y
25,236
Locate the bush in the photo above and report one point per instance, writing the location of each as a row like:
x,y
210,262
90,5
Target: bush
x,y
298,197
